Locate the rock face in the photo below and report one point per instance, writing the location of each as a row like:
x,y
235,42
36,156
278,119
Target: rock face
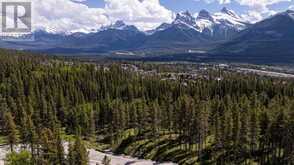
x,y
182,31
185,20
222,25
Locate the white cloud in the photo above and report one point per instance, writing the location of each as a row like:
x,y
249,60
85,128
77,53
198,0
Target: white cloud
x,y
69,16
79,0
258,9
145,14
260,5
252,16
218,1
66,16
72,15
224,1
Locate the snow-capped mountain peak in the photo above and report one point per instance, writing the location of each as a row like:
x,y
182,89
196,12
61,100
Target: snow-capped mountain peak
x,y
185,17
205,21
162,27
119,25
205,15
185,20
221,22
230,12
229,18
289,13
209,23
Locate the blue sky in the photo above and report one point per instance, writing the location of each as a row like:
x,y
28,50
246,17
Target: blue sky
x,y
197,5
88,15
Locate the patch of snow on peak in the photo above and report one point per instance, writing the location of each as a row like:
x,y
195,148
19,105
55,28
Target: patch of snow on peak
x,y
229,18
205,15
204,24
205,20
118,25
186,20
290,13
230,13
224,18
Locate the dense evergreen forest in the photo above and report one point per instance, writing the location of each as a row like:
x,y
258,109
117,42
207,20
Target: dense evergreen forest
x,y
241,119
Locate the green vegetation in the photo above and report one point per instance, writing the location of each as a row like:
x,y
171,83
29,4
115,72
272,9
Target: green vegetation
x,y
22,158
3,140
78,153
242,119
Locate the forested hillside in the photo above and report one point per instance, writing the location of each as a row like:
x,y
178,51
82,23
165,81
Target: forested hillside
x,y
241,119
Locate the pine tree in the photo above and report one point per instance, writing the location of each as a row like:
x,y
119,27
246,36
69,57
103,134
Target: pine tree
x,y
155,119
264,123
48,146
11,130
253,130
277,131
236,126
60,150
3,110
78,154
244,132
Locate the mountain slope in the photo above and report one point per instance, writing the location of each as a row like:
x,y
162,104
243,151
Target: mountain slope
x,y
182,32
221,25
182,29
271,39
115,37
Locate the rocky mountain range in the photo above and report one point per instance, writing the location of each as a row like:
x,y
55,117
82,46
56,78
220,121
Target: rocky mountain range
x,y
223,34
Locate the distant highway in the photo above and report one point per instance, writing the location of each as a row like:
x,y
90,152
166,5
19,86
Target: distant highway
x,y
267,73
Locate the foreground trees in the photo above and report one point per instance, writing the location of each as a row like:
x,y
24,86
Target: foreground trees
x,y
241,119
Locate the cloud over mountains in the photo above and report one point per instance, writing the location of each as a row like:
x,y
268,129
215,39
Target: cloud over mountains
x,y
258,9
75,16
70,16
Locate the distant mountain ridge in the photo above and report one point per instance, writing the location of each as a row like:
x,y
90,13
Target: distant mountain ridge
x,y
186,31
219,35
